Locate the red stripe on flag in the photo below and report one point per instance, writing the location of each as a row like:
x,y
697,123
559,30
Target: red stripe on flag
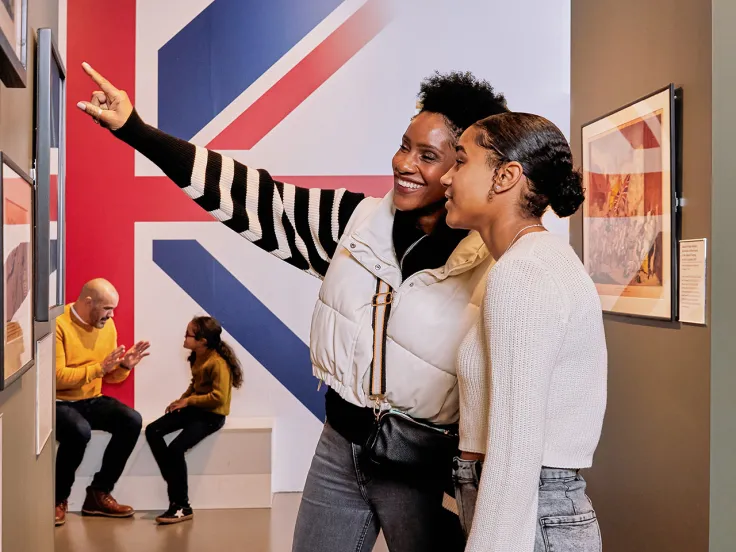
x,y
99,214
306,77
104,198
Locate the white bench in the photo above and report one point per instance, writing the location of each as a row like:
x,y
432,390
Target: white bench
x,y
229,469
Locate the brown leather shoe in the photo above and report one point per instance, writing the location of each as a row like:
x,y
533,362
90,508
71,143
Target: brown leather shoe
x,y
98,503
61,509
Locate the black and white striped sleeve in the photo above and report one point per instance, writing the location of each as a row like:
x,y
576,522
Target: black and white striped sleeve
x,y
302,226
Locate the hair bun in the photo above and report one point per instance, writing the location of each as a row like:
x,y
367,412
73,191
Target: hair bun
x,y
568,195
543,153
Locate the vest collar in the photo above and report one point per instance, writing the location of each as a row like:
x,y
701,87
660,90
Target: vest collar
x,y
375,234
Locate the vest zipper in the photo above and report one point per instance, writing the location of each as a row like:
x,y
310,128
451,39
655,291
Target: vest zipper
x,y
409,250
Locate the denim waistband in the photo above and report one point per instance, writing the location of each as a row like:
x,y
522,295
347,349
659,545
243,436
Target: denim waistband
x,y
550,474
473,468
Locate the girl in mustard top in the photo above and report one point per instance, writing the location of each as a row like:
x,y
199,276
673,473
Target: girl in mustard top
x,y
199,412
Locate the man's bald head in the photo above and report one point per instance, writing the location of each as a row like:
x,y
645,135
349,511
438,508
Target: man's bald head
x,y
97,302
97,289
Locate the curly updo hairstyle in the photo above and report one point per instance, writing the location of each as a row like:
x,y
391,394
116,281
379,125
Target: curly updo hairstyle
x,y
461,98
544,154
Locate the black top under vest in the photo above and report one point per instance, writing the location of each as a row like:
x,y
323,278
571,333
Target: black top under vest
x,y
356,423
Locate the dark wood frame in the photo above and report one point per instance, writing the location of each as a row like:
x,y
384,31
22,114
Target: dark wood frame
x,y
675,107
13,69
47,55
4,383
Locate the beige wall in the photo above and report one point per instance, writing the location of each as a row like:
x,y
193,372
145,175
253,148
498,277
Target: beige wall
x,y
723,311
27,481
650,481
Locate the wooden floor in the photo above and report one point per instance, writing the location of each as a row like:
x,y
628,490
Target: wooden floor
x,y
210,530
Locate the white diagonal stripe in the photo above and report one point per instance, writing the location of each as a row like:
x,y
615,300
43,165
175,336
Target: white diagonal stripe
x,y
283,251
314,222
195,190
254,232
278,70
225,212
289,200
335,222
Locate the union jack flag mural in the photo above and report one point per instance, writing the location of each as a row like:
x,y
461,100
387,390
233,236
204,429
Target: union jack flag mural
x,y
319,93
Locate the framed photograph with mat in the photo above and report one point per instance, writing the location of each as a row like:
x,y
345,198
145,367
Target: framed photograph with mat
x,y
14,42
16,236
50,178
45,376
630,208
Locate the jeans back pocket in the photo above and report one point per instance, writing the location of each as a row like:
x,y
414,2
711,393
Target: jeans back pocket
x,y
580,533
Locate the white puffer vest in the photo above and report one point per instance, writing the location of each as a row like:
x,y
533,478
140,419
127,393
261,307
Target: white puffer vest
x,y
431,312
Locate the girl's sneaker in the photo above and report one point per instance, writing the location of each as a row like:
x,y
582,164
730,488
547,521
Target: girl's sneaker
x,y
175,514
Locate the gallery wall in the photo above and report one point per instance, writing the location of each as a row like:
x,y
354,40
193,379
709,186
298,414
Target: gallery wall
x,y
27,480
650,480
723,269
319,93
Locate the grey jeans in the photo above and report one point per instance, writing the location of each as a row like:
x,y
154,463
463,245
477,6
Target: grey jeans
x,y
346,503
567,521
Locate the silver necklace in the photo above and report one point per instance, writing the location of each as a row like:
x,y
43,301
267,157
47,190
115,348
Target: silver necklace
x,y
519,233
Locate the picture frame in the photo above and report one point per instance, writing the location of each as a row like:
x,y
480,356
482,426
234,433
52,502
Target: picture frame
x,y
45,377
630,212
16,286
14,42
50,169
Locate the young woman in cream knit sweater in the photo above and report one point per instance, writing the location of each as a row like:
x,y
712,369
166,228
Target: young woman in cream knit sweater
x,y
532,373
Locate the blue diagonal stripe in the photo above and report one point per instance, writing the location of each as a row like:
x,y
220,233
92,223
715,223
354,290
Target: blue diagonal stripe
x,y
250,322
224,50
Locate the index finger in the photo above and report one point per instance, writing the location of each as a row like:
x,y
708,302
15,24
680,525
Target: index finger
x,y
101,81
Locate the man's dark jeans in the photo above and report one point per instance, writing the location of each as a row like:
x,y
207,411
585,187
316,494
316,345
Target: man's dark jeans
x,y
75,421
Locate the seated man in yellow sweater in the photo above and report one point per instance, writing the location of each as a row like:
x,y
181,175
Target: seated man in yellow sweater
x,y
87,354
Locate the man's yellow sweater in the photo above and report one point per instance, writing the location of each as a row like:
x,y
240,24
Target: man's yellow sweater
x,y
80,350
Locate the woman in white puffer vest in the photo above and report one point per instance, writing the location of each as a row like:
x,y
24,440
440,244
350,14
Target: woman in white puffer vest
x,y
353,243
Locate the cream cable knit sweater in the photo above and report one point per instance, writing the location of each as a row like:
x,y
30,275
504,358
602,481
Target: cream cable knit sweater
x,y
541,329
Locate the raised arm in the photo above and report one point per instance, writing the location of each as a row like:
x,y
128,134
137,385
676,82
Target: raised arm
x,y
298,225
524,323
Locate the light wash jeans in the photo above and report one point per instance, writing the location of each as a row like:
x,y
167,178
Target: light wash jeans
x,y
567,521
346,502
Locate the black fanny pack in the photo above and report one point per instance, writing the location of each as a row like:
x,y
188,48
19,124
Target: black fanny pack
x,y
399,441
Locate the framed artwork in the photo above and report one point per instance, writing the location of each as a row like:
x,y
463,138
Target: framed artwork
x,y
13,42
16,235
1,479
629,213
45,376
50,178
